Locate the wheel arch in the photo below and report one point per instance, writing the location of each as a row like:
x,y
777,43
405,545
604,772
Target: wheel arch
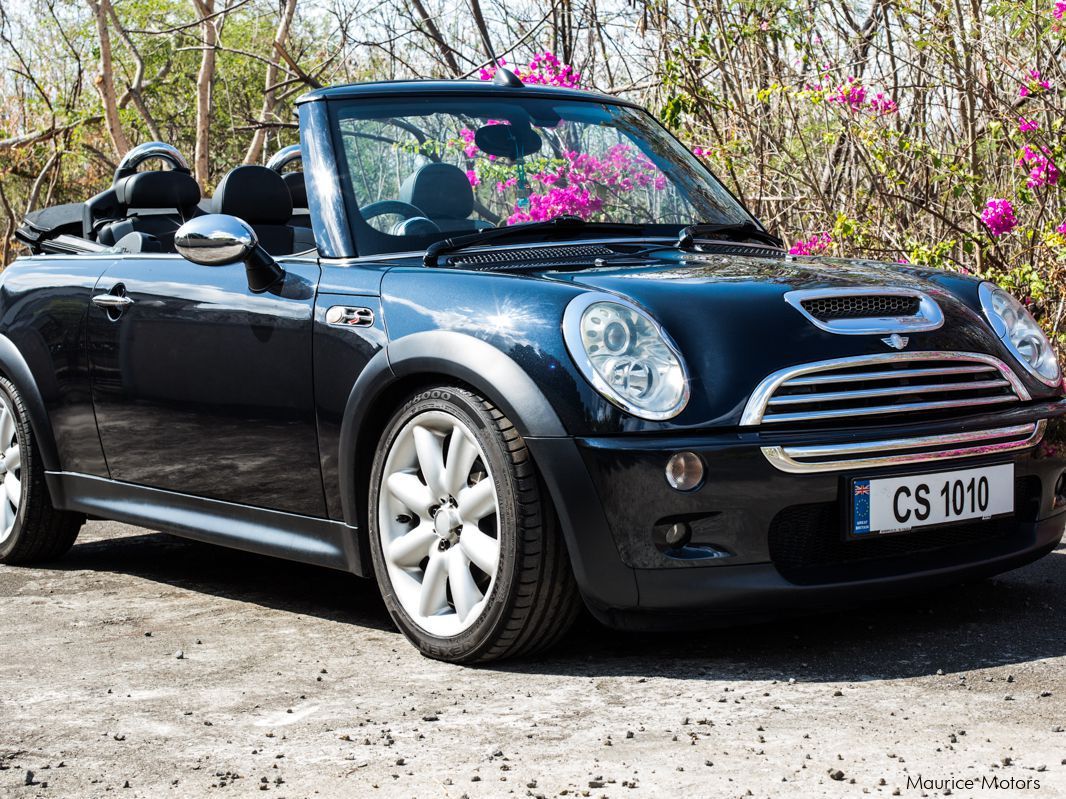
x,y
419,361
14,367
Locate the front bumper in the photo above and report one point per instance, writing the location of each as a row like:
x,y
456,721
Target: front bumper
x,y
777,536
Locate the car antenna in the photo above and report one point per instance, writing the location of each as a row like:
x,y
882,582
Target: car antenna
x,y
503,76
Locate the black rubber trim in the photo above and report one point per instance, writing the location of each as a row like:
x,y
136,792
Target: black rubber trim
x,y
267,532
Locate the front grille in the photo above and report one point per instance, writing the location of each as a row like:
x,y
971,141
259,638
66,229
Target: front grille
x,y
904,386
543,256
861,306
807,544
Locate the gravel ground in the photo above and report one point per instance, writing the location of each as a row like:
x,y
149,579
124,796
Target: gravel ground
x,y
147,666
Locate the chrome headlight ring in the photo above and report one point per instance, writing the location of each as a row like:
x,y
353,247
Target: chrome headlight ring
x,y
626,355
1020,333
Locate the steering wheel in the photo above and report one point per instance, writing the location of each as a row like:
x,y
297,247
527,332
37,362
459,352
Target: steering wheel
x,y
382,207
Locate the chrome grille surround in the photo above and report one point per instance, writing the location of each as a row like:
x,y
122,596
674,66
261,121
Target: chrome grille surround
x,y
890,376
879,369
927,315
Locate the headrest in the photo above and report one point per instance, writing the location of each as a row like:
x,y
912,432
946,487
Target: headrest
x,y
158,190
255,194
440,191
297,188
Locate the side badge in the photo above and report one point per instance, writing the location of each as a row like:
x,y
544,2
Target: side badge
x,y
896,341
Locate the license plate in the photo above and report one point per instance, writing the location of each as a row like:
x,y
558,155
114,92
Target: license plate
x,y
897,504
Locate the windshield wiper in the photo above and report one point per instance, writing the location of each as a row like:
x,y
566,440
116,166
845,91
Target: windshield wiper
x,y
737,231
560,225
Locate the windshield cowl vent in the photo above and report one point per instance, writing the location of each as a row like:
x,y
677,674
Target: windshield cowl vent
x,y
575,254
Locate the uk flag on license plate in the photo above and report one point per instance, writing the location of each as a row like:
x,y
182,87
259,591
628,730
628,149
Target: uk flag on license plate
x,y
861,507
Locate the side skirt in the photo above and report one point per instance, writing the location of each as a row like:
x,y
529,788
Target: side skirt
x,y
322,542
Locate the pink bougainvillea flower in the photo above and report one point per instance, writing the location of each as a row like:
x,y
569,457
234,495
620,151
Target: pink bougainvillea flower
x,y
571,200
1027,125
545,69
850,94
1034,83
1042,170
1060,10
472,176
699,152
998,216
1061,229
816,244
882,105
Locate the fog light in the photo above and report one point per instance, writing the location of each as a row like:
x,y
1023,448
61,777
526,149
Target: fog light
x,y
684,471
678,534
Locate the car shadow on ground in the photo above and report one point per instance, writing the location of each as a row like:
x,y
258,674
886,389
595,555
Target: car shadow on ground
x,y
1012,619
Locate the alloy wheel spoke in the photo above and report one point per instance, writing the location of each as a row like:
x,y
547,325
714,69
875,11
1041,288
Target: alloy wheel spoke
x,y
7,517
428,447
465,593
462,452
408,489
13,488
477,501
483,550
13,458
7,427
408,550
434,585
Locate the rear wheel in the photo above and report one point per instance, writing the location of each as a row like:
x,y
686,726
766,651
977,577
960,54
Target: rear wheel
x,y
31,529
466,547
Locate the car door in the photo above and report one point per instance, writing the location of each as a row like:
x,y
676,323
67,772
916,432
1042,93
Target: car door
x,y
204,387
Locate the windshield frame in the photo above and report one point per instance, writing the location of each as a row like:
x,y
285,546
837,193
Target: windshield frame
x,y
361,240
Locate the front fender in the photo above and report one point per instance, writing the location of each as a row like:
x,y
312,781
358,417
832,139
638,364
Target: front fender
x,y
15,368
436,355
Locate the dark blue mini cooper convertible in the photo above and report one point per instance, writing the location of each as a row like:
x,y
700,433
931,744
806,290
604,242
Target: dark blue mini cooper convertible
x,y
512,350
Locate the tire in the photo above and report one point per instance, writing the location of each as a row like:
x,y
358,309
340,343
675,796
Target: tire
x,y
506,547
31,529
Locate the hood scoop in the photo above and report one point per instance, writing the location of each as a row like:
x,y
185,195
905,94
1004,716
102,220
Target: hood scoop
x,y
867,311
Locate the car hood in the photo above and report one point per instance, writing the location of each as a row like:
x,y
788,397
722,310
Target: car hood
x,y
728,315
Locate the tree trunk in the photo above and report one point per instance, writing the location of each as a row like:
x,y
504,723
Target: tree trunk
x,y
255,149
104,82
204,78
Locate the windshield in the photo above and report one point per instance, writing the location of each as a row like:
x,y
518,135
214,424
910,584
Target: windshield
x,y
418,170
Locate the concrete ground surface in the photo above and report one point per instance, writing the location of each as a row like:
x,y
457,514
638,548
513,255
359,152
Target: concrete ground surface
x,y
147,666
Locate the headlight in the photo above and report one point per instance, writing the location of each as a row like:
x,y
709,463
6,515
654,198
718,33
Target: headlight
x,y
626,355
1021,334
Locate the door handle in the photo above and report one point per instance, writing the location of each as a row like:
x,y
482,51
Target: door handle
x,y
118,301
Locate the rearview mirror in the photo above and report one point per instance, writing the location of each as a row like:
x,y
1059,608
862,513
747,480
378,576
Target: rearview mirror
x,y
221,240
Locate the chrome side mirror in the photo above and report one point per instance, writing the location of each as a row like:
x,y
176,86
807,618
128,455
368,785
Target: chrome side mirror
x,y
215,240
222,240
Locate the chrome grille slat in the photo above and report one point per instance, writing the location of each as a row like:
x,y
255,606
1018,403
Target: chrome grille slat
x,y
877,410
968,444
814,380
869,393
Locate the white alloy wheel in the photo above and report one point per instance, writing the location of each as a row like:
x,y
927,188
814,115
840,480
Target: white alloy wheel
x,y
10,468
437,519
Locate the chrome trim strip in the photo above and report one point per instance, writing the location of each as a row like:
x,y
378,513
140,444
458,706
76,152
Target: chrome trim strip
x,y
757,403
815,380
890,391
929,316
784,458
874,410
